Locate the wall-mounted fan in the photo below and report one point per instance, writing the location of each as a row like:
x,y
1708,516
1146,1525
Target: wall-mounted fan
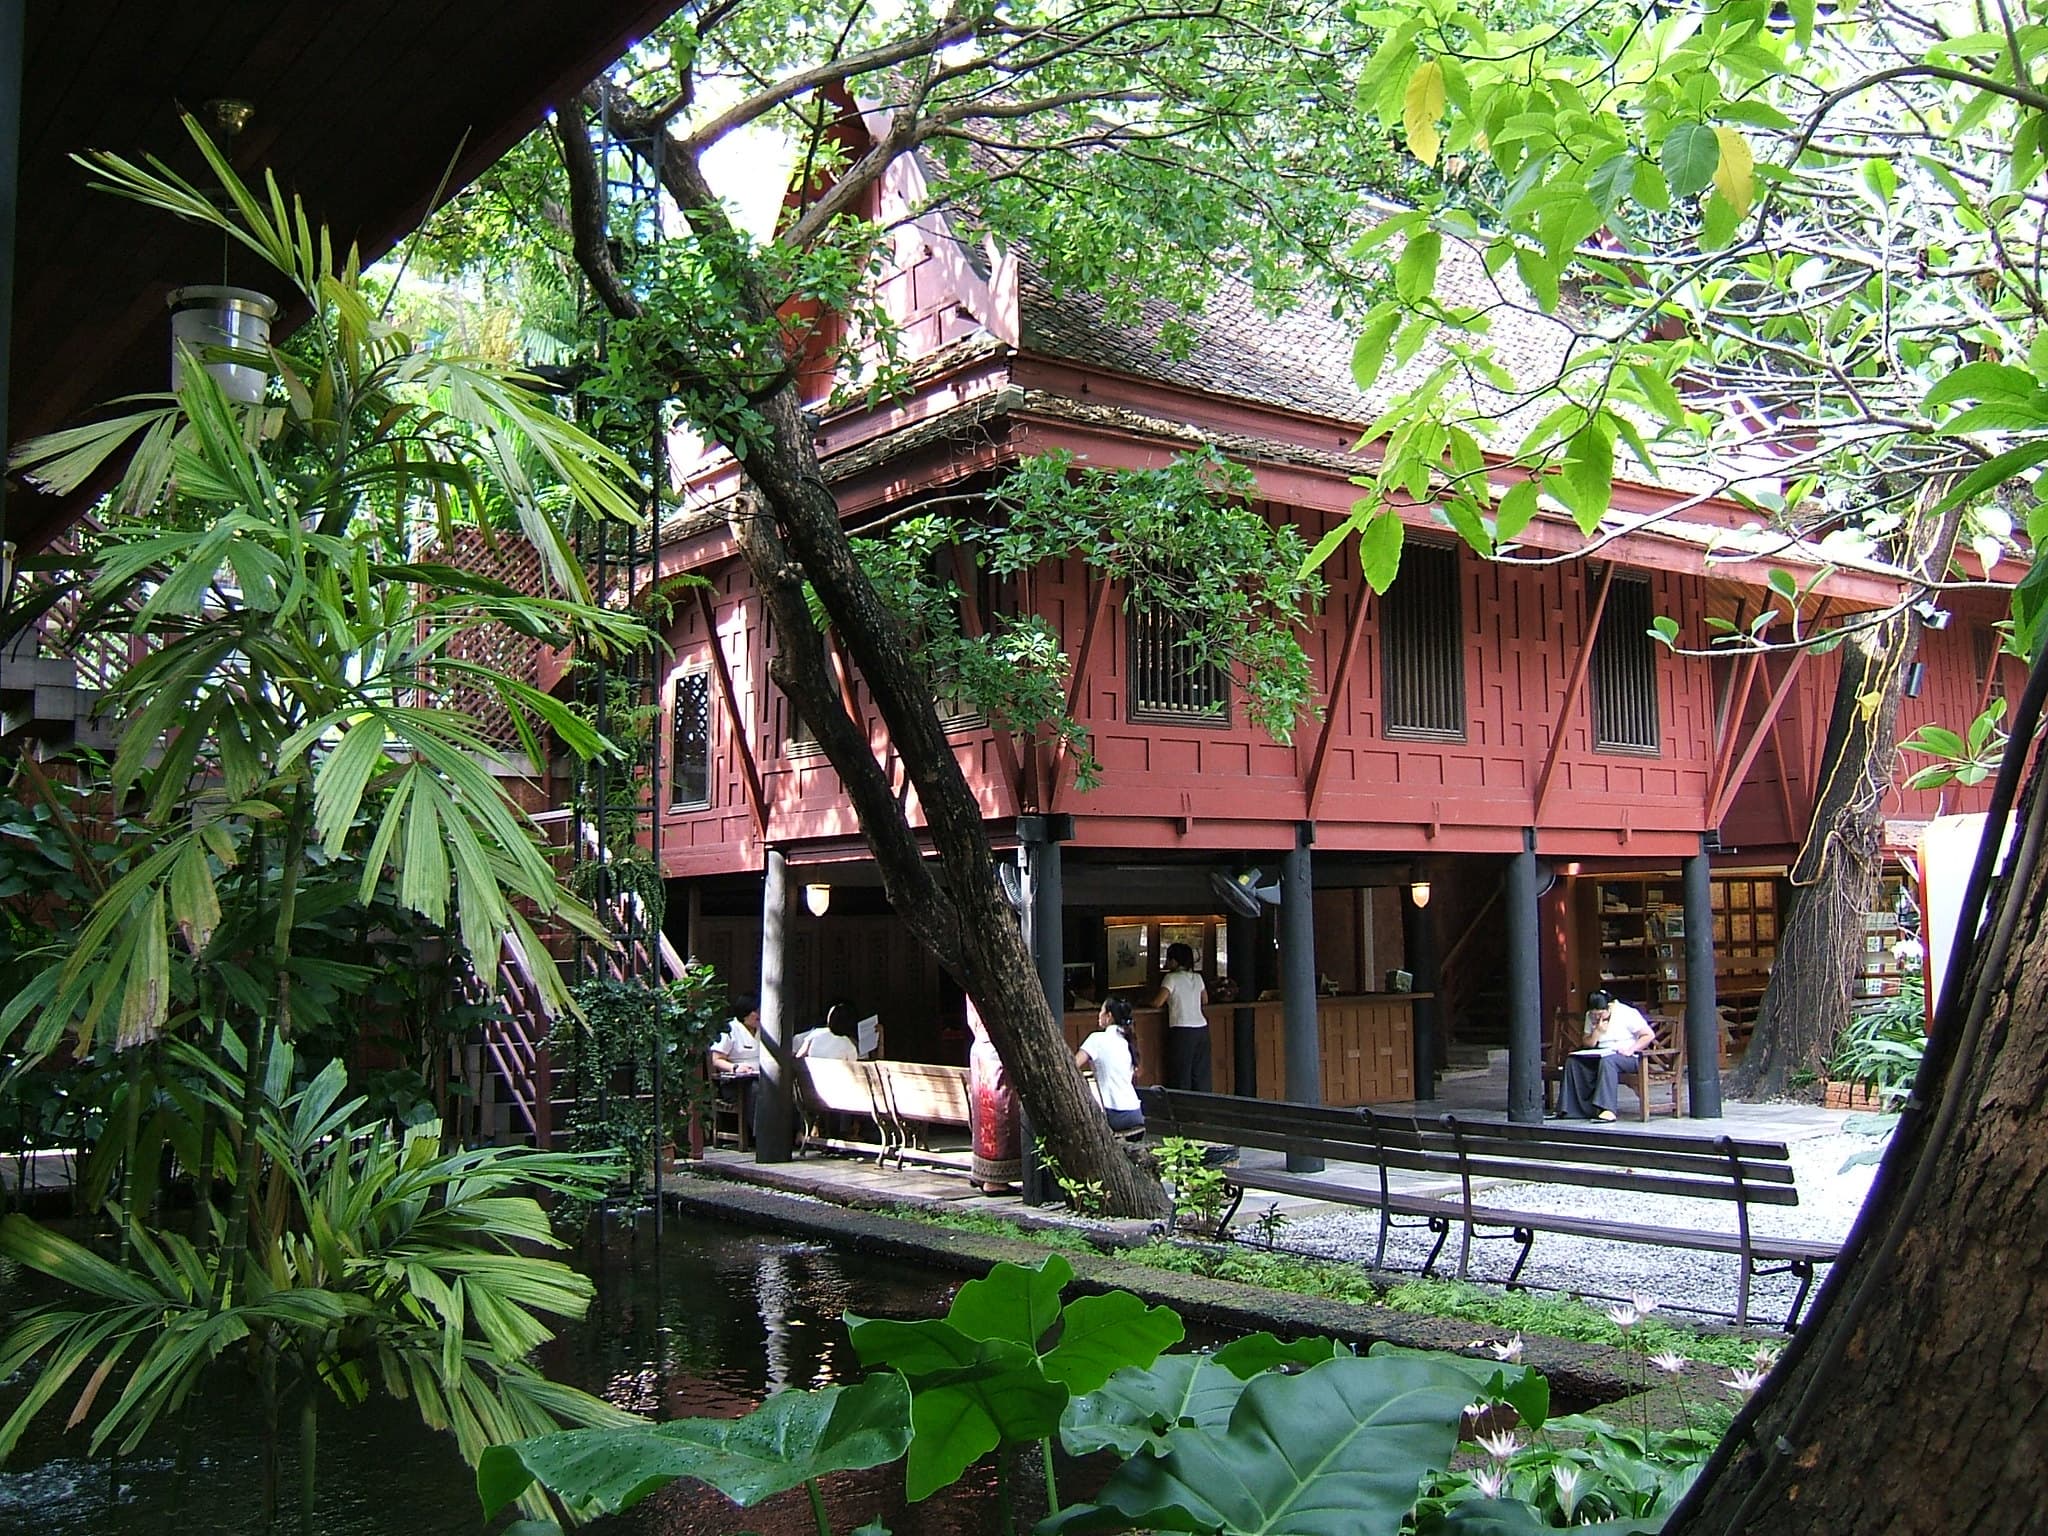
x,y
1244,892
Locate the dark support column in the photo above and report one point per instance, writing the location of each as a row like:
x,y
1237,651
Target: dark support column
x,y
1244,975
1418,936
1039,865
774,1109
1702,1013
1301,1029
13,19
1525,987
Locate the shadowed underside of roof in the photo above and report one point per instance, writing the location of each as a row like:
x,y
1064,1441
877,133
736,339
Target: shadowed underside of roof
x,y
360,107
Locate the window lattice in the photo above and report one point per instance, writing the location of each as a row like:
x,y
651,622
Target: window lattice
x,y
1422,647
690,764
1625,672
1167,682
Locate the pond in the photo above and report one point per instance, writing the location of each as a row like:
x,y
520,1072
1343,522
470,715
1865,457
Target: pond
x,y
707,1321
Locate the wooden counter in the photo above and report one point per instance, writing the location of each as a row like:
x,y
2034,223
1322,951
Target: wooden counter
x,y
1368,1045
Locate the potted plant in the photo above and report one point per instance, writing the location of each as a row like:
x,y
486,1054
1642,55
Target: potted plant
x,y
1877,1055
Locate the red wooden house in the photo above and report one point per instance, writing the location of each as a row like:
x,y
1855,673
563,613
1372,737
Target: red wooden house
x,y
1513,792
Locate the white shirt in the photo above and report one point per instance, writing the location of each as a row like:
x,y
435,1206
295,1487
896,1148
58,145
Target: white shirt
x,y
821,1044
738,1045
1183,1000
1618,1033
1110,1055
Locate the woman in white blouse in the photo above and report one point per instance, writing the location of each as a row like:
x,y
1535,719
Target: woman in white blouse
x,y
1111,1053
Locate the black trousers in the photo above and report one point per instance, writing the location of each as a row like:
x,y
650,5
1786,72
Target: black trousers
x,y
1187,1059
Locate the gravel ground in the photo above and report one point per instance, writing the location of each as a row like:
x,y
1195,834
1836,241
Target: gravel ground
x,y
1829,1199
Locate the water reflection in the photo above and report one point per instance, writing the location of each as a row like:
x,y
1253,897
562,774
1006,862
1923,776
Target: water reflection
x,y
705,1322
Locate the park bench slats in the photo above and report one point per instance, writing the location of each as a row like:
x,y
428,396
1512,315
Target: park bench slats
x,y
1739,1173
904,1100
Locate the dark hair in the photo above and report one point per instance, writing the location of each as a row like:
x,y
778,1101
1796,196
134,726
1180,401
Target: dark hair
x,y
1119,1011
839,1019
744,1004
1599,999
1182,955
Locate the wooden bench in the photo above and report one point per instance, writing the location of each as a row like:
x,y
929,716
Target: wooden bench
x,y
1663,1063
903,1100
1742,1173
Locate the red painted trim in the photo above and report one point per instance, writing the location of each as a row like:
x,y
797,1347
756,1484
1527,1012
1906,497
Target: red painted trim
x,y
970,620
1569,703
1338,685
1732,784
1724,744
1077,686
729,697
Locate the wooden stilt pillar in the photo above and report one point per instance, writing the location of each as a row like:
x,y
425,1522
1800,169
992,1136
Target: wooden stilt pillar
x,y
1525,987
1702,1015
774,1105
1301,1027
1418,936
1244,975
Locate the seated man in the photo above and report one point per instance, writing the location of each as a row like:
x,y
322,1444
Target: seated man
x,y
1615,1035
737,1052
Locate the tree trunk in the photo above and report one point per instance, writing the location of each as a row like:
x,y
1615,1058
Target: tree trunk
x,y
1917,1399
1820,951
789,532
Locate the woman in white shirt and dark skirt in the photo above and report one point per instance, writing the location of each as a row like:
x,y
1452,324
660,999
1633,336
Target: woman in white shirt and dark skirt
x,y
1111,1053
1182,994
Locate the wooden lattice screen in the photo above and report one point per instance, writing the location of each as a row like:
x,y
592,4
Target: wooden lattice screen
x,y
510,559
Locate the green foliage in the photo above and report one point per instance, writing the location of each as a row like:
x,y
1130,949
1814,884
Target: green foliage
x,y
1813,218
1581,1472
1968,759
1883,1042
995,1226
1198,1189
1261,1436
623,1033
379,1263
793,1438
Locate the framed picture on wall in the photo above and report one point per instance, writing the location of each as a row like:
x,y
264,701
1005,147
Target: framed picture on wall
x,y
1194,935
1766,896
1130,954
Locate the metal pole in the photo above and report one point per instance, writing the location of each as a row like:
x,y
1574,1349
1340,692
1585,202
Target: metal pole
x,y
774,1110
1525,987
1702,1013
1301,1029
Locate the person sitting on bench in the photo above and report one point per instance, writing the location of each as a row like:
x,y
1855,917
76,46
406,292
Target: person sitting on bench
x,y
834,1040
1615,1035
1111,1053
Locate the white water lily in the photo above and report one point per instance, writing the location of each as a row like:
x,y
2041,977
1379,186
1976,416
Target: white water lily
x,y
1491,1482
1510,1352
1742,1383
1566,1477
1624,1317
1670,1361
1500,1444
1764,1356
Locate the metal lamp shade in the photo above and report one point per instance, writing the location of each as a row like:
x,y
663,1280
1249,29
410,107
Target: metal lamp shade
x,y
204,318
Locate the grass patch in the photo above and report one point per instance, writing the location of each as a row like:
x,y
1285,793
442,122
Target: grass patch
x,y
1508,1312
995,1226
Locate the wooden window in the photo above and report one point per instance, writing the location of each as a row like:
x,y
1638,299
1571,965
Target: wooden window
x,y
1167,682
1990,666
1422,647
689,781
1625,672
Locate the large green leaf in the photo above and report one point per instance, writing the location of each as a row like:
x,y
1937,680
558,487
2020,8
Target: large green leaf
x,y
792,1437
1336,1451
1012,1302
1135,1409
1100,1335
1524,1389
